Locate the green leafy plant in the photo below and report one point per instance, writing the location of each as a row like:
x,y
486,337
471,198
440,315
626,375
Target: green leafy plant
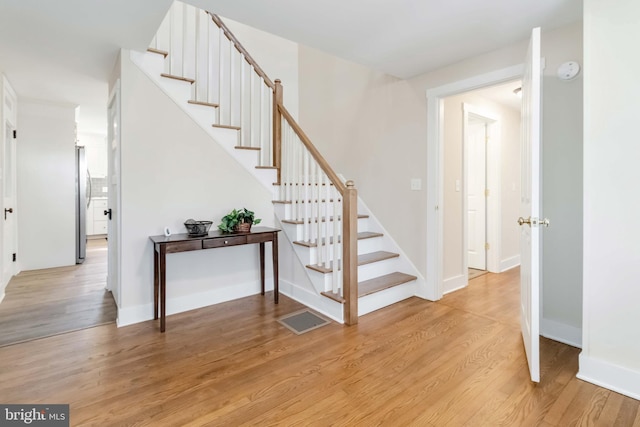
x,y
235,217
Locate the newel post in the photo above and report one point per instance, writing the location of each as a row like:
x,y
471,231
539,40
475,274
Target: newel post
x,y
277,128
350,253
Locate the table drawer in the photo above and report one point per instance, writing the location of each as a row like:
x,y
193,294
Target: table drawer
x,y
184,246
222,242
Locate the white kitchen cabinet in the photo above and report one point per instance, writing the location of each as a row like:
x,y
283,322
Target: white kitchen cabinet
x,y
99,221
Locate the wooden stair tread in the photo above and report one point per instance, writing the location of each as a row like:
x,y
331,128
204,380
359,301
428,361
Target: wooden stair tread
x,y
361,236
362,260
266,167
381,283
333,296
279,184
299,221
239,147
183,79
226,127
158,51
206,104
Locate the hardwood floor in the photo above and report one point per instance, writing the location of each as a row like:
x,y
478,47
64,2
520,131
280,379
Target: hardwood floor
x,y
456,362
41,303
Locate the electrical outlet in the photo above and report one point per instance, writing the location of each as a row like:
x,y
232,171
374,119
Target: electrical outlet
x,y
416,184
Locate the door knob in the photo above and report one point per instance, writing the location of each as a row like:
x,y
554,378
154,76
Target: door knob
x,y
108,213
10,210
534,221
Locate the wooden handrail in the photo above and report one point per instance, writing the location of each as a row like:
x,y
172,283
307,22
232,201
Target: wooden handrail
x,y
216,19
333,177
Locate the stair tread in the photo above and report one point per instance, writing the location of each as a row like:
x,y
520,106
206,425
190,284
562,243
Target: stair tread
x,y
226,127
240,147
266,167
362,260
361,236
299,221
377,284
184,79
158,51
206,104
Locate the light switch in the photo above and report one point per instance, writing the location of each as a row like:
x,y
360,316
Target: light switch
x,y
416,184
105,189
457,185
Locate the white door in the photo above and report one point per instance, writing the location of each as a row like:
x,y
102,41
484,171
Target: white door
x,y
9,213
113,204
530,207
476,186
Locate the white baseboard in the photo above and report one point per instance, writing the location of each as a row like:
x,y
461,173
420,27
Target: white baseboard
x,y
144,312
317,302
454,283
613,377
509,263
561,332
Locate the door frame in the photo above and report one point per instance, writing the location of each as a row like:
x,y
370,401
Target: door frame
x,y
10,116
435,165
493,175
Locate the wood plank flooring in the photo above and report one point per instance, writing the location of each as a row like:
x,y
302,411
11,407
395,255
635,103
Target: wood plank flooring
x,y
41,303
457,362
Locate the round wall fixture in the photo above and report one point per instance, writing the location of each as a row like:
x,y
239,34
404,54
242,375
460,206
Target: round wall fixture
x,y
569,70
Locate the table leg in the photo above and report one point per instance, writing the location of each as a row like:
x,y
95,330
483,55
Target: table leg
x,y
274,248
156,283
163,287
262,267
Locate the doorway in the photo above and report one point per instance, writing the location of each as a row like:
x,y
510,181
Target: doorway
x,y
445,262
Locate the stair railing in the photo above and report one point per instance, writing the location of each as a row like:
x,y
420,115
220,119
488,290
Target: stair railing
x,y
201,48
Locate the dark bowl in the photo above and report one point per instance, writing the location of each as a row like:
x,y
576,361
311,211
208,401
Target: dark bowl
x,y
198,228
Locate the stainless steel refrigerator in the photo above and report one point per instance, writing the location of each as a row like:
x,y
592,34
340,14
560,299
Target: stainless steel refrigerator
x,y
83,197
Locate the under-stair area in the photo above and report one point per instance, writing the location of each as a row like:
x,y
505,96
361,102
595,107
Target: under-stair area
x,y
352,263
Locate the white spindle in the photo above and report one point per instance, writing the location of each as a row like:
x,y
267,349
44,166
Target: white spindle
x,y
243,131
231,82
319,230
305,199
260,95
337,254
220,74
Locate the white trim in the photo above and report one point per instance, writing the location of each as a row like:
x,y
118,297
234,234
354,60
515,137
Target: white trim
x,y
610,376
561,332
455,283
509,263
2,294
324,305
435,164
144,312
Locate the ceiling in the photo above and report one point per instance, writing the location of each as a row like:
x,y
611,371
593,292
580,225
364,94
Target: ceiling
x,y
64,51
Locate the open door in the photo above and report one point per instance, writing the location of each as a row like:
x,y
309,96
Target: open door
x,y
530,206
113,204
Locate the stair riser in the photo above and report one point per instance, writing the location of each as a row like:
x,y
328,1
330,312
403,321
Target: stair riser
x,y
386,297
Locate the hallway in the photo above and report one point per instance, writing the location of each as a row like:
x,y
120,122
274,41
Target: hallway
x,y
42,303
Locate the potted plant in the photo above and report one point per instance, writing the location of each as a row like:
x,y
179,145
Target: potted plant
x,y
238,220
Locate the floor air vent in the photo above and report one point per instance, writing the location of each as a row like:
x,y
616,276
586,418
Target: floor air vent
x,y
302,321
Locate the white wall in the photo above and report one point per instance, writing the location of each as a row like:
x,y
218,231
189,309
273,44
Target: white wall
x,y
46,185
510,173
171,171
562,190
611,314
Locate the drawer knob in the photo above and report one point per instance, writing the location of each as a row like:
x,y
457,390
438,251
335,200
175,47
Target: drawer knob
x,y
225,242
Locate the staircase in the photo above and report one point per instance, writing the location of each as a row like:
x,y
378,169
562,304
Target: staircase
x,y
351,262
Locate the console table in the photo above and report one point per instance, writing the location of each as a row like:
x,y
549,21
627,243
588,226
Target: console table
x,y
163,245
